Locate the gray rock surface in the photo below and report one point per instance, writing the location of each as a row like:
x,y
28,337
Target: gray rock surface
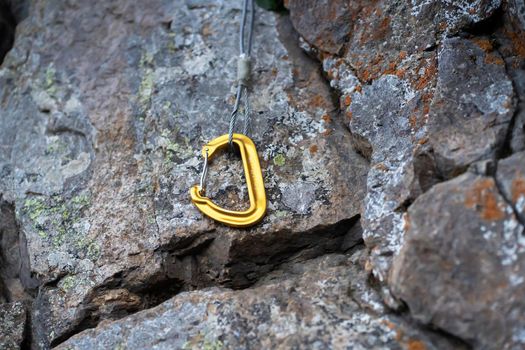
x,y
423,99
465,273
510,178
118,100
13,321
314,310
467,127
400,124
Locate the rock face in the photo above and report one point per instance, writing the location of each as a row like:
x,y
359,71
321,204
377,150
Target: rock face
x,y
13,321
473,258
115,112
284,315
400,124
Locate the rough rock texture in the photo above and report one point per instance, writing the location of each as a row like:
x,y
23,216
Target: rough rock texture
x,y
428,88
467,127
400,123
473,258
311,311
13,321
510,178
117,100
393,75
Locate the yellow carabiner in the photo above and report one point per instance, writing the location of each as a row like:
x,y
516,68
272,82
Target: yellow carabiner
x,y
254,182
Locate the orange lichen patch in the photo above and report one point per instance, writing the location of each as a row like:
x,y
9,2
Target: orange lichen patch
x,y
402,55
358,64
365,75
423,141
518,188
327,132
314,149
429,75
494,59
426,109
412,120
359,88
482,197
348,100
484,44
317,101
207,30
442,26
518,42
426,99
381,166
332,73
400,73
326,118
391,69
379,32
416,345
349,114
389,324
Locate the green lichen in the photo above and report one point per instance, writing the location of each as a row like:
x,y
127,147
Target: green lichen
x,y
93,251
34,208
146,84
57,146
166,106
67,283
49,81
182,150
202,343
280,213
54,219
146,59
215,345
82,200
119,346
279,160
146,89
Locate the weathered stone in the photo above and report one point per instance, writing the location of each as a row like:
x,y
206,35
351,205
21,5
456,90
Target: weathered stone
x,y
517,11
415,101
13,321
510,177
313,310
462,264
472,107
118,99
15,277
325,24
104,108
